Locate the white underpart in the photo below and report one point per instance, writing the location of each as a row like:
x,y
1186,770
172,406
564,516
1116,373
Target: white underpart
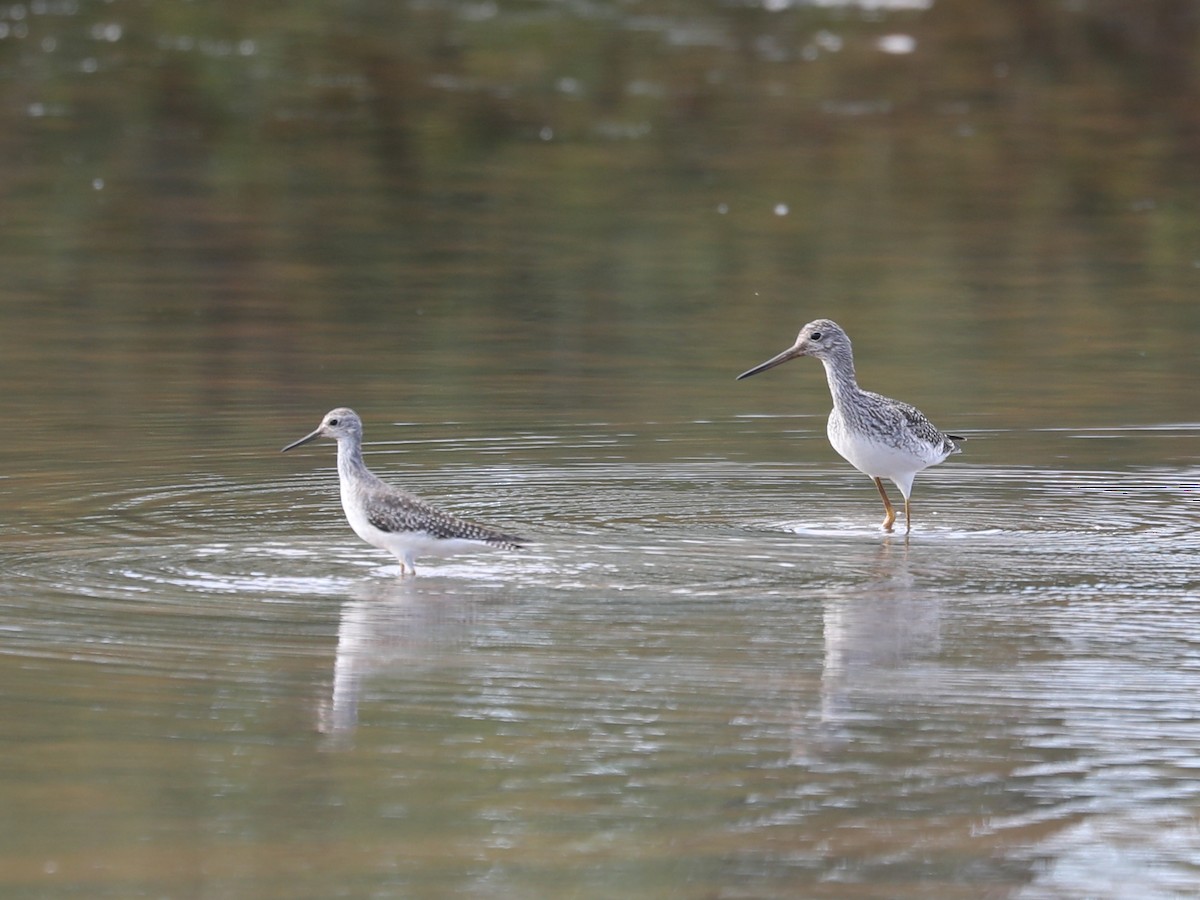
x,y
879,460
406,546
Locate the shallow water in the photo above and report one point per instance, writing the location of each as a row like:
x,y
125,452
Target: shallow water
x,y
705,675
532,245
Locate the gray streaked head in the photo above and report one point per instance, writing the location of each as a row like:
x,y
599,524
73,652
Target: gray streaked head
x,y
339,424
822,338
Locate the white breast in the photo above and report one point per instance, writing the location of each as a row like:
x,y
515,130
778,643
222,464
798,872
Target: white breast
x,y
878,459
357,517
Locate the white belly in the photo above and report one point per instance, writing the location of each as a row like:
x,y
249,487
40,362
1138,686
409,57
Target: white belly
x,y
877,459
406,546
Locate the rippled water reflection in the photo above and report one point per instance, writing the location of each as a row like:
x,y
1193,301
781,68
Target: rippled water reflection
x,y
709,675
568,226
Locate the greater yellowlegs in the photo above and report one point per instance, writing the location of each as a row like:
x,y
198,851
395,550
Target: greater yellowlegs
x,y
881,437
387,517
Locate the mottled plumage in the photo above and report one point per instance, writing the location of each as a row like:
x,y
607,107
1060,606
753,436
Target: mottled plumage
x,y
881,437
387,517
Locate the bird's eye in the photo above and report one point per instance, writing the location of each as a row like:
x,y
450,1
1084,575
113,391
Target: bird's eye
x,y
333,422
816,336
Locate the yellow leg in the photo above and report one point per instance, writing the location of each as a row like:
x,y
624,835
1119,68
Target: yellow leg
x,y
887,505
907,517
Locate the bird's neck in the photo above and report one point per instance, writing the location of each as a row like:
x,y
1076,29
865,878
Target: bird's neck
x,y
349,461
839,372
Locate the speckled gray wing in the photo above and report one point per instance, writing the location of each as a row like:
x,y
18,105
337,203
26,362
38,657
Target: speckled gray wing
x,y
399,512
925,430
917,425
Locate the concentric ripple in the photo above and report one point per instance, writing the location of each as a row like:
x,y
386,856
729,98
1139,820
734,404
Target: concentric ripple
x,y
709,638
617,498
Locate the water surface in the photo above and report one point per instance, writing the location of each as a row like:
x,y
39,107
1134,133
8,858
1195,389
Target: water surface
x,y
705,673
532,245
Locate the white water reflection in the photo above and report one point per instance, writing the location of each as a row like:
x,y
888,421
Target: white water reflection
x,y
875,632
394,626
1149,851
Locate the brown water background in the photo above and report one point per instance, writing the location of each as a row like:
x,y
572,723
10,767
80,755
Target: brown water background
x,y
532,244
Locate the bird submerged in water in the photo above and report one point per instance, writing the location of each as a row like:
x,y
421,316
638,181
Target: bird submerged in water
x,y
881,437
387,517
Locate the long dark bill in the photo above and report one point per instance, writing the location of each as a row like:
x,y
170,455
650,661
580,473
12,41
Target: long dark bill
x,y
304,440
789,353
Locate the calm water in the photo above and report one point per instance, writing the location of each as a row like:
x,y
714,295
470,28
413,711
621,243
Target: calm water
x,y
533,245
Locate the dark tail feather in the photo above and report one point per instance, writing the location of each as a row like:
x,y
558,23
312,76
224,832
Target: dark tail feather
x,y
507,541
